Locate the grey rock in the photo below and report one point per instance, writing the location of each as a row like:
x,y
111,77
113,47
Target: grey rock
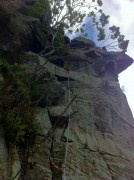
x,y
99,141
96,138
3,154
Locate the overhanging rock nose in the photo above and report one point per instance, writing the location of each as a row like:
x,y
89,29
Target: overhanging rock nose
x,y
123,62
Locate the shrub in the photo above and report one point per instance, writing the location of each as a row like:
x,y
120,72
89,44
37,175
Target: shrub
x,y
16,106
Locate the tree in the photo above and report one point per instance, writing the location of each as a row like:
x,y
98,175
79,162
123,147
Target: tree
x,y
67,17
71,14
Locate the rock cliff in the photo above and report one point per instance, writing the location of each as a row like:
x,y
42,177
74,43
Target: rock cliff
x,y
86,126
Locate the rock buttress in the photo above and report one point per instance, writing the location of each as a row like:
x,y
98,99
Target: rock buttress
x,y
101,129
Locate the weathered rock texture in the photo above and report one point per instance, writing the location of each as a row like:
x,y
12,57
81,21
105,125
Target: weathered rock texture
x,y
97,140
20,32
101,128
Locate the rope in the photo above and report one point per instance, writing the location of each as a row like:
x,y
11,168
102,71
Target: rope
x,y
82,68
66,149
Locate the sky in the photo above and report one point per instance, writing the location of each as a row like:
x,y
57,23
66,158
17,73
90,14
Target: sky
x,y
122,14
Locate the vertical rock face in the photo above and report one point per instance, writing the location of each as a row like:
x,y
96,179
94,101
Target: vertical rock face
x,y
96,141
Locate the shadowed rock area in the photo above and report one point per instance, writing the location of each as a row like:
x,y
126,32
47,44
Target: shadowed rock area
x,y
94,135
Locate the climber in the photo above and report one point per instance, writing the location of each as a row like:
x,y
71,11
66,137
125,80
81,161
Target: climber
x,y
54,166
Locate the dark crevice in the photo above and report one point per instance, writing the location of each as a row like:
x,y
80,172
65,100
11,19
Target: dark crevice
x,y
37,46
63,78
58,62
51,156
92,54
59,121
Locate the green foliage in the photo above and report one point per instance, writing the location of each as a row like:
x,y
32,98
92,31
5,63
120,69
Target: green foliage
x,y
19,125
39,94
99,2
59,40
101,34
71,15
104,19
36,10
39,9
115,34
10,178
16,107
67,17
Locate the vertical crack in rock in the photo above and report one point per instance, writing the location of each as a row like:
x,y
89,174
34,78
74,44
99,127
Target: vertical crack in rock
x,y
57,154
108,167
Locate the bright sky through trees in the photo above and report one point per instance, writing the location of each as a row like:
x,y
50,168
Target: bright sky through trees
x,y
122,14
